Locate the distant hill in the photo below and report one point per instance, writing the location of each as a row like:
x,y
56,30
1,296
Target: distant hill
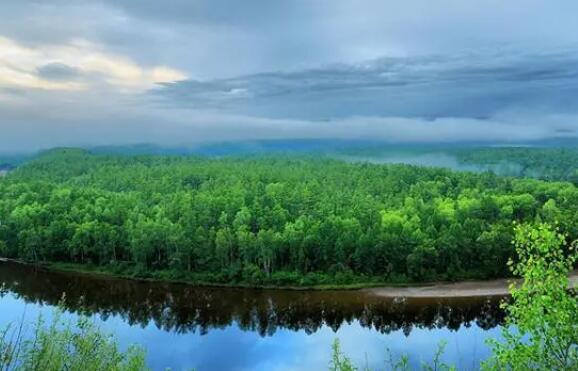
x,y
330,146
241,147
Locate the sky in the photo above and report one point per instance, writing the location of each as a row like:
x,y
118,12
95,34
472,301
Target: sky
x,y
183,72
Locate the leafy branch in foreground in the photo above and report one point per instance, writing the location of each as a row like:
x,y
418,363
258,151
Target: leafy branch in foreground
x,y
64,345
541,331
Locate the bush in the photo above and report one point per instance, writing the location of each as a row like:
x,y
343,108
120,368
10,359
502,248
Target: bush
x,y
61,345
542,320
285,278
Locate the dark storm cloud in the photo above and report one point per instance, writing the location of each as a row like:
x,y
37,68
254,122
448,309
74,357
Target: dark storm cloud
x,y
473,85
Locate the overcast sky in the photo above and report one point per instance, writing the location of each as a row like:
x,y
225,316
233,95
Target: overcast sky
x,y
88,72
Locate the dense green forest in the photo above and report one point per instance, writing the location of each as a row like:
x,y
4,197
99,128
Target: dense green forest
x,y
278,220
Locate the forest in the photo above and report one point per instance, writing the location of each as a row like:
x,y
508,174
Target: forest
x,y
547,163
275,220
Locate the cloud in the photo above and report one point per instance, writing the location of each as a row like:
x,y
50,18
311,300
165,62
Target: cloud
x,y
509,96
470,85
211,39
58,71
85,120
127,71
58,67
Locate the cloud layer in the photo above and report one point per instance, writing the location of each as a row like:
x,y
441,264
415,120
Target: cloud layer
x,y
112,72
473,85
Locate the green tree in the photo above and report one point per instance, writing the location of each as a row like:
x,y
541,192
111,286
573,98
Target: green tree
x,y
207,219
542,321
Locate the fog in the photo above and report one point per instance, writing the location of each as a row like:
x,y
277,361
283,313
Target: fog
x,y
437,159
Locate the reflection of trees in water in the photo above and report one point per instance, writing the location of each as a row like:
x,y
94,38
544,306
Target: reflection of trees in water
x,y
184,308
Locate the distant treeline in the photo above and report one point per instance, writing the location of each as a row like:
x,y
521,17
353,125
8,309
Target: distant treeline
x,y
542,163
270,220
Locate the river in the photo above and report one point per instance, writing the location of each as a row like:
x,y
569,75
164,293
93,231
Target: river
x,y
256,329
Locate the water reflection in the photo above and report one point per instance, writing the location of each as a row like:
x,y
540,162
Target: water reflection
x,y
185,309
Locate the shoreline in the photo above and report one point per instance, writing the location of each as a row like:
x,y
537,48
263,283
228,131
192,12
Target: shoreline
x,y
463,289
441,289
89,271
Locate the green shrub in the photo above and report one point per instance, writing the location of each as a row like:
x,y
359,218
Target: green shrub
x,y
62,345
541,332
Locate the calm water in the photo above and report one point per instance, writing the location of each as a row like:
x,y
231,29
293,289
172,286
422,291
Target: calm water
x,y
245,329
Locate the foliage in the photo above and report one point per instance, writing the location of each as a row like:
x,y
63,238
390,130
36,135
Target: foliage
x,y
542,331
62,345
340,362
287,221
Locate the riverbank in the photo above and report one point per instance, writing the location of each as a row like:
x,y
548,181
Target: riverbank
x,y
166,277
498,287
461,289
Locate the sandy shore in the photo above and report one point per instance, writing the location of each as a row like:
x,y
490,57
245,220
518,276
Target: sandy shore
x,y
453,290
